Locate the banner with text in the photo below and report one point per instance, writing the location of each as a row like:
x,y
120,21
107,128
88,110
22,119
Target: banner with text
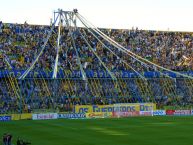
x,y
44,116
89,73
5,118
125,114
72,116
182,112
99,115
124,107
159,113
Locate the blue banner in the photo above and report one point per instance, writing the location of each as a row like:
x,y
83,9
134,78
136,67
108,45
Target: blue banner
x,y
89,73
5,118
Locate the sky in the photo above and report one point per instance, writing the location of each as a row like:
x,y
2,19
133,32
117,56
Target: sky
x,y
173,15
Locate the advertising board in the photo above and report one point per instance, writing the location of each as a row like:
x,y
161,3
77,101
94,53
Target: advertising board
x,y
72,116
159,113
44,116
125,107
178,112
182,112
146,113
99,115
170,112
5,118
125,114
24,116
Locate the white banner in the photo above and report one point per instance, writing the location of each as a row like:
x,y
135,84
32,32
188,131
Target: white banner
x,y
182,112
125,114
159,113
72,116
146,113
44,116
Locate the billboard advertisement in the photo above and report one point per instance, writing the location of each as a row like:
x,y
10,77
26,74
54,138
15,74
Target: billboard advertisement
x,y
125,107
99,115
21,116
44,116
182,112
146,113
5,118
125,114
170,112
72,116
178,112
159,113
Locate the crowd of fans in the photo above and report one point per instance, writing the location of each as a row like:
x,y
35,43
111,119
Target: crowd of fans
x,y
20,45
62,95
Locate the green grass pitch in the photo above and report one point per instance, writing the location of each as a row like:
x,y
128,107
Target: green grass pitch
x,y
166,130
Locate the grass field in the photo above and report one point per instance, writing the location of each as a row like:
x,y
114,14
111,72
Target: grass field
x,y
125,131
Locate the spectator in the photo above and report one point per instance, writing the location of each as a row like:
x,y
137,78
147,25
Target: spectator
x,y
4,139
9,139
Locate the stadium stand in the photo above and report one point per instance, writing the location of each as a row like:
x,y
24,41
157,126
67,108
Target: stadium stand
x,y
20,44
